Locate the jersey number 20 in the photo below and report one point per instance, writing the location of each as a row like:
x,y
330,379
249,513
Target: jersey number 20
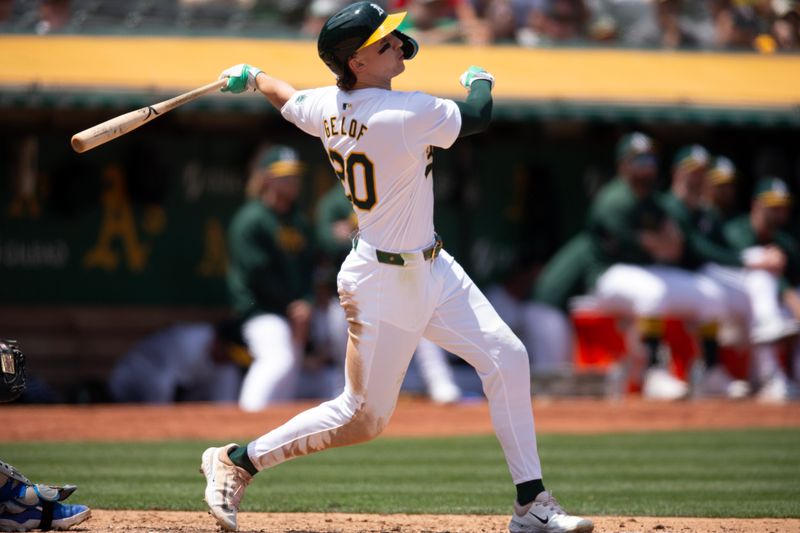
x,y
356,165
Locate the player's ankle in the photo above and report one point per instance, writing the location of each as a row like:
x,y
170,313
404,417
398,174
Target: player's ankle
x,y
527,491
239,457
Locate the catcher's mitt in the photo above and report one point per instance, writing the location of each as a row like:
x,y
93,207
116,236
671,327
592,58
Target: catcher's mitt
x,y
12,371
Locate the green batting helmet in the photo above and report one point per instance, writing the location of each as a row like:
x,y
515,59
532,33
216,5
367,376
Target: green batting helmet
x,y
355,27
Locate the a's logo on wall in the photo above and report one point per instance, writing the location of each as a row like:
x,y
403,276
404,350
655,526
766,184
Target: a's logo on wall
x,y
118,238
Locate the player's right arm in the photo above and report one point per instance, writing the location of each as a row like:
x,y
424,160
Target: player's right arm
x,y
244,77
298,107
278,92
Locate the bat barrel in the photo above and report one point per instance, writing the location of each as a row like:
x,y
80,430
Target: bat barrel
x,y
118,126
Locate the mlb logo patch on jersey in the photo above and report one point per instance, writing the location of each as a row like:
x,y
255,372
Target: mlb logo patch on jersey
x,y
346,106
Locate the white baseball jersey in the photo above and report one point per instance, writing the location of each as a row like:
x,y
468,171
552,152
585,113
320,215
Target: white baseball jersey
x,y
390,188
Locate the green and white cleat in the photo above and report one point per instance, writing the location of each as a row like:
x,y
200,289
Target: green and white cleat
x,y
225,484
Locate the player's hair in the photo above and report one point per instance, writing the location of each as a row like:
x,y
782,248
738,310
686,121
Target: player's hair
x,y
347,80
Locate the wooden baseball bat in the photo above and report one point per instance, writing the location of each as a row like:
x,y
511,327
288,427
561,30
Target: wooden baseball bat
x,y
119,126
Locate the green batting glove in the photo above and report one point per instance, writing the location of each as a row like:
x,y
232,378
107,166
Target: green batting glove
x,y
240,78
475,73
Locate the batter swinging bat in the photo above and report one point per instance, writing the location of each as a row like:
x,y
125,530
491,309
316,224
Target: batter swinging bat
x,y
119,126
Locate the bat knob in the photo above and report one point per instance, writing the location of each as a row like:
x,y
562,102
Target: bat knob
x,y
77,144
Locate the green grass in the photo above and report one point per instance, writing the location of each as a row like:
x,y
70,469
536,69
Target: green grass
x,y
753,473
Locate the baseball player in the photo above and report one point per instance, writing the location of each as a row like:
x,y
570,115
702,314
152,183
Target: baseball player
x,y
707,253
397,284
269,279
775,300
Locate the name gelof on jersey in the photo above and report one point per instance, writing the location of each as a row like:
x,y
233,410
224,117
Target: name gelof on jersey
x,y
341,125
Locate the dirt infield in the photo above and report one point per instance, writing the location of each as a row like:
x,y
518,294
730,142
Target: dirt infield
x,y
412,418
146,521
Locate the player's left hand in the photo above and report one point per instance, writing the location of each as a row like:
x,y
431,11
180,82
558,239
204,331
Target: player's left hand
x,y
475,73
241,78
769,258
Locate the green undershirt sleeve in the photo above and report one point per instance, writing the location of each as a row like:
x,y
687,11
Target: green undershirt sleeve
x,y
476,112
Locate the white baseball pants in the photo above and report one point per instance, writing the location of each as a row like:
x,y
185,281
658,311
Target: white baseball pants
x,y
751,296
273,375
656,290
389,308
430,359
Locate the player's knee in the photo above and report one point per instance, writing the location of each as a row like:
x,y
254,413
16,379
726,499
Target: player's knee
x,y
365,427
361,423
515,357
361,427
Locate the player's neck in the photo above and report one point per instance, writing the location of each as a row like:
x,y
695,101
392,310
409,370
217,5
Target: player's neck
x,y
372,82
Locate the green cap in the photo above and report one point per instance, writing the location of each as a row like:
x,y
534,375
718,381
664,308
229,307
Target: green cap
x,y
722,171
691,157
634,144
772,191
279,161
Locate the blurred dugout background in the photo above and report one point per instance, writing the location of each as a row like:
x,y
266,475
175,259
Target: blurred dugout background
x,y
100,249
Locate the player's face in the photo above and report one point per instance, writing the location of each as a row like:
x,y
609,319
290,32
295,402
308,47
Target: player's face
x,y
281,193
693,180
382,60
640,172
722,196
770,218
778,215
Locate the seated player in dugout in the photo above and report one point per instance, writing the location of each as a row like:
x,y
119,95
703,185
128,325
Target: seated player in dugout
x,y
717,264
397,285
775,295
627,229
